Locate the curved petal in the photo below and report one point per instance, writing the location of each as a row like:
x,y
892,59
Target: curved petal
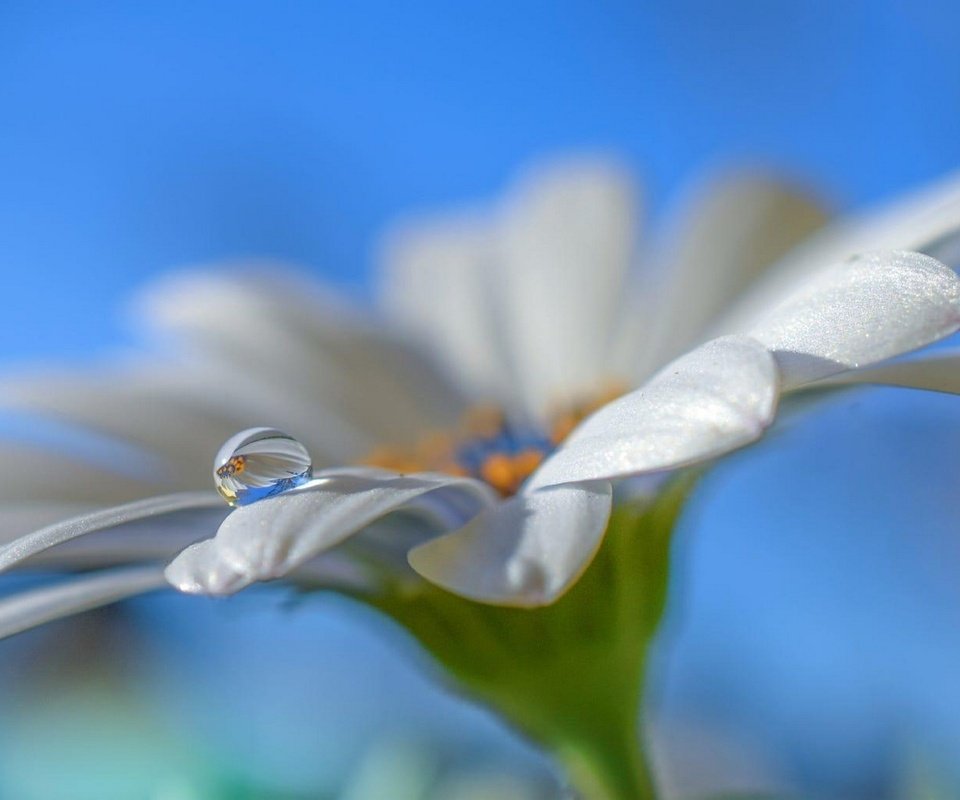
x,y
865,310
523,300
729,233
183,517
182,411
268,539
201,570
925,221
567,238
288,334
44,475
936,372
19,519
450,259
525,552
34,607
714,399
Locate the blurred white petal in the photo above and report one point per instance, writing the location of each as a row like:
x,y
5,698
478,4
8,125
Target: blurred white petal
x,y
41,475
937,372
523,303
925,221
525,552
569,235
75,594
861,311
269,538
123,521
714,399
286,333
18,519
727,235
439,280
182,411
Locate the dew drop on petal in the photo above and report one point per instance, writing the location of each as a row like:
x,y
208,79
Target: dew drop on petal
x,y
258,463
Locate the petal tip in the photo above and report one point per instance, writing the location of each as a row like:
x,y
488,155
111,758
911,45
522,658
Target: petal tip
x,y
524,553
200,570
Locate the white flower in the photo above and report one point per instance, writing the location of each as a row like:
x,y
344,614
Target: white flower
x,y
529,306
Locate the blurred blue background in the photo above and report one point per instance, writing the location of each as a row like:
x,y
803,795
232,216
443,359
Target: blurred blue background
x,y
140,136
819,615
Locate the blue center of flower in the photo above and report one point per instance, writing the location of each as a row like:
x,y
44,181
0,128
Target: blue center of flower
x,y
508,442
504,457
487,445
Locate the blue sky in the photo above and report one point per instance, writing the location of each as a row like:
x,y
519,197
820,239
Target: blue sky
x,y
135,137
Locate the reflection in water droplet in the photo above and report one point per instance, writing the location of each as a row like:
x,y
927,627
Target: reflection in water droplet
x,y
258,463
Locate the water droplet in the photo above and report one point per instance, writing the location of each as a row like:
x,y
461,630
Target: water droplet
x,y
258,463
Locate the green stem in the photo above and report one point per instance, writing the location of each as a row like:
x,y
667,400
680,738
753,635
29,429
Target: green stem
x,y
608,770
586,720
570,675
595,735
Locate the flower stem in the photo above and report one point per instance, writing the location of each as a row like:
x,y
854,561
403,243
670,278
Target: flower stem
x,y
570,675
616,770
591,726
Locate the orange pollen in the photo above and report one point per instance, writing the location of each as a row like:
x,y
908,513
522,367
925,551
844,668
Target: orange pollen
x,y
489,446
506,473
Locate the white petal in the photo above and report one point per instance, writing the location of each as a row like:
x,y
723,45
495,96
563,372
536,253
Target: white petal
x,y
926,221
568,236
861,311
268,539
937,372
45,475
18,519
525,552
287,334
439,280
181,411
174,521
202,570
714,399
33,607
729,232
526,300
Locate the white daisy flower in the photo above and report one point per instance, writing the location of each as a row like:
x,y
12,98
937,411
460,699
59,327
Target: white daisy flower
x,y
515,376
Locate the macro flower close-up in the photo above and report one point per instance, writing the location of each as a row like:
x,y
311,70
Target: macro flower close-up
x,y
470,436
516,373
572,393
